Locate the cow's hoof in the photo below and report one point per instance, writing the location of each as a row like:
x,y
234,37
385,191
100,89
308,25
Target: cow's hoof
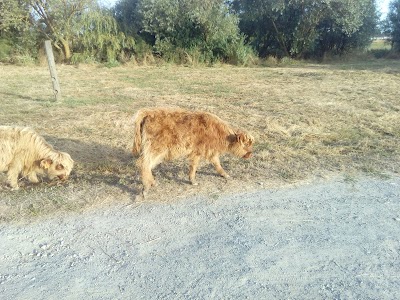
x,y
153,183
139,198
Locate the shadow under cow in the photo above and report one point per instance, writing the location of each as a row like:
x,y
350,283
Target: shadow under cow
x,y
116,167
95,162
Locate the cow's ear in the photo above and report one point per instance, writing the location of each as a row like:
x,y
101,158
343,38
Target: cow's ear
x,y
46,163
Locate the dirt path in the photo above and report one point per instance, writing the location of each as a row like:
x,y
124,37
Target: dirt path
x,y
328,240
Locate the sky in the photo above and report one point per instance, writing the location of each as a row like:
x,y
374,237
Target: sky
x,y
383,6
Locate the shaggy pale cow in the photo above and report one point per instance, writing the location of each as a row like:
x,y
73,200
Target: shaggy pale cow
x,y
24,152
165,134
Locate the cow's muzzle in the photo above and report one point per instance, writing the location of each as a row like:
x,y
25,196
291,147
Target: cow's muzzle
x,y
247,155
62,177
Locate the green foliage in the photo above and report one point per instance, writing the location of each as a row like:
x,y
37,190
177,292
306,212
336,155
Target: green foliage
x,y
59,21
18,40
128,17
5,49
99,38
347,26
14,15
80,30
193,27
189,31
393,24
18,47
306,28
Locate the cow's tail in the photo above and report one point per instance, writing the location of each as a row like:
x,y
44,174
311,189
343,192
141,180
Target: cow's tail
x,y
138,120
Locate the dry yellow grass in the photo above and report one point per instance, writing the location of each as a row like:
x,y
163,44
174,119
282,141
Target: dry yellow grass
x,y
308,120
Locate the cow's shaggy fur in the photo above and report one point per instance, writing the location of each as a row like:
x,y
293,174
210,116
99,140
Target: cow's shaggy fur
x,y
168,133
24,152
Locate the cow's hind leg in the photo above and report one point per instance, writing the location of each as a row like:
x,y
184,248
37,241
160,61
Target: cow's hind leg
x,y
147,176
217,164
193,168
146,164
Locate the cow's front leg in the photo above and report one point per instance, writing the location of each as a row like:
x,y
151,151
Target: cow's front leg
x,y
193,168
217,164
32,177
12,176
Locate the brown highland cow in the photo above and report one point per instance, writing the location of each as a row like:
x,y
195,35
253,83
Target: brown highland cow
x,y
166,133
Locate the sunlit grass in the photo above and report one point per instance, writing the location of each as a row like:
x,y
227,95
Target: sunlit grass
x,y
308,120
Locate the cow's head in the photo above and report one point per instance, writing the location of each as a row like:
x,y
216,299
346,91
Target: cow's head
x,y
241,144
60,166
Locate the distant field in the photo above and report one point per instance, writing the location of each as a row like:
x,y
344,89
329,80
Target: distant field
x,y
380,45
308,120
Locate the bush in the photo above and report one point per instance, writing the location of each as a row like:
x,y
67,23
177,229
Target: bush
x,y
86,58
5,50
194,32
379,53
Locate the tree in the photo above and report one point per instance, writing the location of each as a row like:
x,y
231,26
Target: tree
x,y
100,38
16,35
81,26
303,28
204,26
14,14
129,19
60,20
346,26
393,24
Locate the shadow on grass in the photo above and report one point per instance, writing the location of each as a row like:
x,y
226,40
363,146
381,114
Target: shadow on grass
x,y
178,172
25,97
99,163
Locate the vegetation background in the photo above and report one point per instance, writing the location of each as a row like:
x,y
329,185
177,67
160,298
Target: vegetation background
x,y
193,32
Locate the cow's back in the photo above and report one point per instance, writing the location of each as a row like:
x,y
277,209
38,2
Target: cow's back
x,y
15,141
9,140
182,132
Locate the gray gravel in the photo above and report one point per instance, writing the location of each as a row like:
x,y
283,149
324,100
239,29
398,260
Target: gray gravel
x,y
337,239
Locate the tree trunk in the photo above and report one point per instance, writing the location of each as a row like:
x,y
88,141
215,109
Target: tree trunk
x,y
66,49
280,39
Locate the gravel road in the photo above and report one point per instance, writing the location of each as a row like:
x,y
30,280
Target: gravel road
x,y
336,239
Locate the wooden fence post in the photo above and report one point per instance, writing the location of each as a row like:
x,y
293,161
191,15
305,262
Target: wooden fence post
x,y
52,68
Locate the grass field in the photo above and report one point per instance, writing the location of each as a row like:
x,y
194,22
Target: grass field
x,y
308,120
380,44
